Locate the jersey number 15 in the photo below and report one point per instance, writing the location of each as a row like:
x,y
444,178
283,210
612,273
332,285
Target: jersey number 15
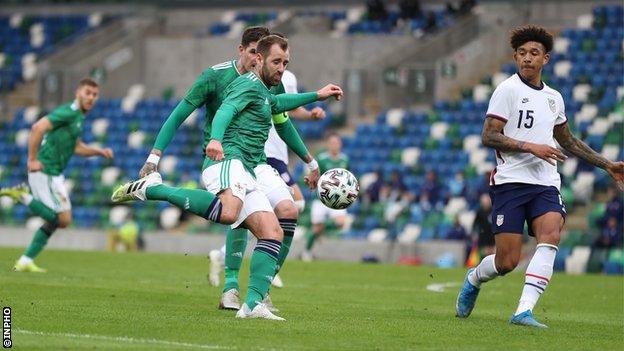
x,y
528,119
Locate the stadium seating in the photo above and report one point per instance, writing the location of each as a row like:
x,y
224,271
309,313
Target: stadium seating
x,y
23,39
586,67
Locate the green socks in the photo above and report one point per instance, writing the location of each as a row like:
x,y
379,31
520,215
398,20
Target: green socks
x,y
40,240
199,202
263,262
288,226
235,244
37,207
311,240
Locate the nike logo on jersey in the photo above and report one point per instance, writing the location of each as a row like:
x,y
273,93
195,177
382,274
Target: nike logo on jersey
x,y
525,100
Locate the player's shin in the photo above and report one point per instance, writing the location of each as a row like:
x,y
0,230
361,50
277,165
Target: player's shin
x,y
235,244
39,241
199,202
262,270
485,271
288,226
537,276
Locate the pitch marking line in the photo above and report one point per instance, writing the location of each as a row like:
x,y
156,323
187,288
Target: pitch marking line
x,y
441,287
125,339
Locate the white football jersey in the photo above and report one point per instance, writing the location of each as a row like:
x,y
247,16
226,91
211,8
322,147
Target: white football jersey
x,y
531,114
275,147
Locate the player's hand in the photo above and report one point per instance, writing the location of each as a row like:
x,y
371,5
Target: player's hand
x,y
317,113
547,153
108,153
329,90
147,168
616,171
312,178
214,150
34,166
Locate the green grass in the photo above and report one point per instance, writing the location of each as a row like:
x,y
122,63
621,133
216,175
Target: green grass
x,y
97,300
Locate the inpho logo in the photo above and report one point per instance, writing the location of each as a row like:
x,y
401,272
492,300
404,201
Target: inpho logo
x,y
6,328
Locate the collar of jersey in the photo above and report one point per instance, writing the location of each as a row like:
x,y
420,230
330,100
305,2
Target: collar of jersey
x,y
234,62
259,79
531,84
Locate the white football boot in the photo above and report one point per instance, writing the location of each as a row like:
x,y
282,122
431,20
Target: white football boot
x,y
230,300
136,190
260,311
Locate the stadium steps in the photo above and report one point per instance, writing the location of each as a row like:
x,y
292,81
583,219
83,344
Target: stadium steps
x,y
25,94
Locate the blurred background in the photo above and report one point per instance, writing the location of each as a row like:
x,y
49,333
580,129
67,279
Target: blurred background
x,y
417,75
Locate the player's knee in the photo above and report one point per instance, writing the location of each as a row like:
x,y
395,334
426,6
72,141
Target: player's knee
x,y
286,209
228,216
340,221
230,208
64,222
507,265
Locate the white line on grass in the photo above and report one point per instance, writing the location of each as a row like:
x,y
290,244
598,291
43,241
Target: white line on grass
x,y
442,287
124,339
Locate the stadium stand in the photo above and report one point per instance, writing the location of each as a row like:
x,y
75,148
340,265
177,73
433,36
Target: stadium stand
x,y
586,67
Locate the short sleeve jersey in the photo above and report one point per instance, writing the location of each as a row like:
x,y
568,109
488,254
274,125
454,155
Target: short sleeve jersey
x,y
275,147
209,90
58,144
530,113
247,133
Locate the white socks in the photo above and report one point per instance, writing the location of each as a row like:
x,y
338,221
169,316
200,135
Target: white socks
x,y
485,271
24,260
537,276
26,199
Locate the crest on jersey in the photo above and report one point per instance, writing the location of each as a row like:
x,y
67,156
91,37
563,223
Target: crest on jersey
x,y
500,219
551,104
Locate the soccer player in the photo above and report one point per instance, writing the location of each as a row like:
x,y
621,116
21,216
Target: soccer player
x,y
239,132
53,140
276,152
523,116
332,158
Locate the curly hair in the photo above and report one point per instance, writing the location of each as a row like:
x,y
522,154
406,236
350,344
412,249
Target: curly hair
x,y
524,34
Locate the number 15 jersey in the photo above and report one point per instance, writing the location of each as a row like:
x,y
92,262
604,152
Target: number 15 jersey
x,y
531,113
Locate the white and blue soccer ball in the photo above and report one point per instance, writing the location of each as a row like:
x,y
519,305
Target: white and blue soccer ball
x,y
338,188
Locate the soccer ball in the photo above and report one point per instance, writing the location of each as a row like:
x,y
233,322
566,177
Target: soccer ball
x,y
338,188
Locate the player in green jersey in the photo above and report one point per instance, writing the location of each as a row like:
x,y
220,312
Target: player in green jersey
x,y
239,131
53,140
331,158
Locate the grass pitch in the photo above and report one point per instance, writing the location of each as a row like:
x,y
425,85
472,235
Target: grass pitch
x,y
98,300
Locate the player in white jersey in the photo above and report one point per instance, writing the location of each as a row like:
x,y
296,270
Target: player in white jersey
x,y
523,116
276,150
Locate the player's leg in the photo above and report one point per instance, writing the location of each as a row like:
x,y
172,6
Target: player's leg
x,y
319,214
508,217
48,194
298,197
548,217
234,251
221,209
263,223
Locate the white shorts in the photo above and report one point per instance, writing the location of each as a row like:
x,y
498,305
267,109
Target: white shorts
x,y
231,174
50,190
272,185
320,212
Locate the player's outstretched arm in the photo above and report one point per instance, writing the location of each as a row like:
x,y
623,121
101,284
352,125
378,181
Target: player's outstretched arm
x,y
85,150
287,132
165,134
579,149
493,137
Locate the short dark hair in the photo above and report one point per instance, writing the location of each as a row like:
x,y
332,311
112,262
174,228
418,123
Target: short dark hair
x,y
88,81
281,35
265,44
332,134
252,34
524,34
